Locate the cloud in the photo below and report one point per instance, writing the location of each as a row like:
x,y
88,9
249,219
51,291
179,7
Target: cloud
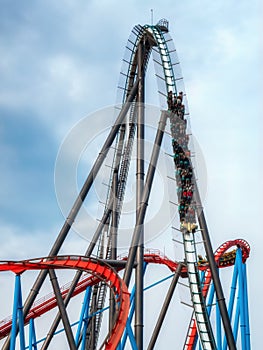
x,y
60,61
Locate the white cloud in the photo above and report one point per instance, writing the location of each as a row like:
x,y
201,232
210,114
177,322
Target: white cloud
x,y
60,62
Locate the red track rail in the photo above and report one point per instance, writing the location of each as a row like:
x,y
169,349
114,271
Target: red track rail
x,y
98,270
48,302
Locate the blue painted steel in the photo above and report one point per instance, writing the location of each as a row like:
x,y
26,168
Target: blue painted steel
x,y
202,277
158,282
210,299
241,299
246,308
128,330
131,336
233,290
218,328
84,314
132,307
232,297
32,335
236,321
17,316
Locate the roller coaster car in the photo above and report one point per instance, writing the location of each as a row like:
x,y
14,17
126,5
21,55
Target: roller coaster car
x,y
201,260
190,227
228,258
163,25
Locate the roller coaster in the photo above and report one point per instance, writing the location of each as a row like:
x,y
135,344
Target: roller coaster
x,y
109,287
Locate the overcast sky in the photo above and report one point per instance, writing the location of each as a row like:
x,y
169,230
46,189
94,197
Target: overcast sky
x,y
60,61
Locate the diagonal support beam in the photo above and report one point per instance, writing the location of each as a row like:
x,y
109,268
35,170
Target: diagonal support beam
x,y
214,271
62,310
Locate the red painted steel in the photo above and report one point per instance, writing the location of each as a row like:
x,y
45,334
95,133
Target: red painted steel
x,y
100,271
47,303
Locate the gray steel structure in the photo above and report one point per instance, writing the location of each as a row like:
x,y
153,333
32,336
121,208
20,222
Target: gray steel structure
x,y
144,40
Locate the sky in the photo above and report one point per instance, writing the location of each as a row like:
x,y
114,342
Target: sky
x,y
60,62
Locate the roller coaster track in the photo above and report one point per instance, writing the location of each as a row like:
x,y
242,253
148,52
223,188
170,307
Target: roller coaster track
x,y
223,259
144,41
49,302
99,270
202,319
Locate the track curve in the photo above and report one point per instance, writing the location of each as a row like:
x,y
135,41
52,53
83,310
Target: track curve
x,y
93,266
155,38
223,260
46,303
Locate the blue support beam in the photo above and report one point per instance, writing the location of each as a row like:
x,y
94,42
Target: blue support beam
x,y
236,321
241,297
232,298
17,317
218,328
83,321
246,308
210,299
128,330
32,335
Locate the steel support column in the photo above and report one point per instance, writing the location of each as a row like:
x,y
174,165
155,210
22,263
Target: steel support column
x,y
241,299
248,345
232,298
17,317
83,320
32,336
138,325
62,310
145,198
113,237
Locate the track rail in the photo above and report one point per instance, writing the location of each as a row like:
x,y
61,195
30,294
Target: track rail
x,y
168,76
223,259
48,302
99,270
154,38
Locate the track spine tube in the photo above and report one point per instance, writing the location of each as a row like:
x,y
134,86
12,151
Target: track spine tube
x,y
139,318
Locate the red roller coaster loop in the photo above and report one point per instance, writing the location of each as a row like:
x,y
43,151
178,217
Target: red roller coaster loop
x,y
98,270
